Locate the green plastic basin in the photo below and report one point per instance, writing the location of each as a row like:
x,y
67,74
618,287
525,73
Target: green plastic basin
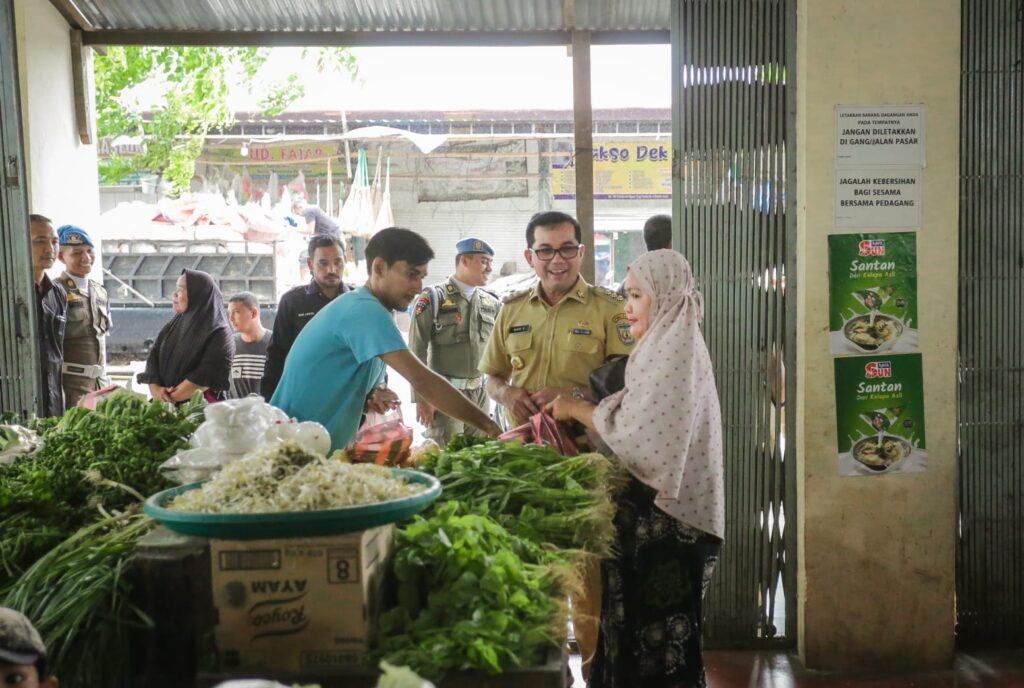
x,y
292,523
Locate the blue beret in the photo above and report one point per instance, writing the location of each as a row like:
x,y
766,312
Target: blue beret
x,y
69,235
472,245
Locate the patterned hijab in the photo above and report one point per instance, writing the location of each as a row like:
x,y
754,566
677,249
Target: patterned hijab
x,y
666,425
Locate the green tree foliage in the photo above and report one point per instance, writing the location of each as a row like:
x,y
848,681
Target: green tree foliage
x,y
194,83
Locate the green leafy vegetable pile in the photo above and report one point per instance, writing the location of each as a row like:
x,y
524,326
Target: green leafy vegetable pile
x,y
70,518
535,492
91,462
472,596
483,580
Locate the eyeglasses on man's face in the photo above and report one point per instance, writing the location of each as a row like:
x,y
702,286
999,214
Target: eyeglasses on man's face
x,y
567,252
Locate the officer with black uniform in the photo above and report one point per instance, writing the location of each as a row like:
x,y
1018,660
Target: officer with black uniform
x,y
85,337
51,311
451,324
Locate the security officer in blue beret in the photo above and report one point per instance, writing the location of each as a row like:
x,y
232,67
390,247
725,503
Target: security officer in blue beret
x,y
85,337
451,323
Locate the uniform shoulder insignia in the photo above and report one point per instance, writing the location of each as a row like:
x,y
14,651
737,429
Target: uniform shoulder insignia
x,y
607,294
422,304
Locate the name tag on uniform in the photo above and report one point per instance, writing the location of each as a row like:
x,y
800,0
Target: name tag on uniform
x,y
580,330
515,329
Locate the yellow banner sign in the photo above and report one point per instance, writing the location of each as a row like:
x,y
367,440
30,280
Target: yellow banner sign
x,y
622,169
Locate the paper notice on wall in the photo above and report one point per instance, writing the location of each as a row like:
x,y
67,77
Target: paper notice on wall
x,y
880,415
880,135
878,198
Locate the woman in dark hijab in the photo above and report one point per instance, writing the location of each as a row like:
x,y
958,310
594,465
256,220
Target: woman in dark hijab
x,y
194,350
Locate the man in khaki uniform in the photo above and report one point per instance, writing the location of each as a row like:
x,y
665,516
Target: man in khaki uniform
x,y
545,342
451,324
549,337
88,319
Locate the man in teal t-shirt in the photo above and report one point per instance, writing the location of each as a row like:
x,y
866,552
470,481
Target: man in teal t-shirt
x,y
335,368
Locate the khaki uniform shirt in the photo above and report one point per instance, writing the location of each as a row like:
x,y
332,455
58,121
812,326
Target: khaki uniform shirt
x,y
85,338
449,332
536,345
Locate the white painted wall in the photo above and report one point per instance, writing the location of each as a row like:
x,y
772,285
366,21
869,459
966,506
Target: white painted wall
x,y
62,177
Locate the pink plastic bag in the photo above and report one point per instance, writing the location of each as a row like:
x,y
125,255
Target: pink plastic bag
x,y
89,400
543,429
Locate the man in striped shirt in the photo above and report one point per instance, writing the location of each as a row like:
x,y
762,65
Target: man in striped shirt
x,y
251,341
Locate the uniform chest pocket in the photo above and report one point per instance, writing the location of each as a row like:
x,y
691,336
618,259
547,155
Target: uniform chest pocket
x,y
486,324
520,341
446,320
581,344
77,312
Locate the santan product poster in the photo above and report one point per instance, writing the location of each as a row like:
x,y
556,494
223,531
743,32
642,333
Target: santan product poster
x,y
873,293
880,415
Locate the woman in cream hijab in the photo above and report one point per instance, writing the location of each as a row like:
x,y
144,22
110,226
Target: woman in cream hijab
x,y
665,426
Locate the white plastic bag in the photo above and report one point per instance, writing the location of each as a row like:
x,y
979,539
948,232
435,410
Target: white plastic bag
x,y
235,428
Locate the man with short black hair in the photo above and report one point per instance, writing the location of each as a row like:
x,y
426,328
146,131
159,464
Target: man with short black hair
x,y
51,311
658,232
251,341
549,335
337,364
326,262
547,339
22,653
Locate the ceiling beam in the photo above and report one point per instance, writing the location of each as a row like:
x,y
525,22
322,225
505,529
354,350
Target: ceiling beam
x,y
72,15
365,38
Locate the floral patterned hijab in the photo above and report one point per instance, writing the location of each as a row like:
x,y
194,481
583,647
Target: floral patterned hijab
x,y
666,424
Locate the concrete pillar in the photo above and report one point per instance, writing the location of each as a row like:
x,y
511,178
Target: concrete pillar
x,y
876,554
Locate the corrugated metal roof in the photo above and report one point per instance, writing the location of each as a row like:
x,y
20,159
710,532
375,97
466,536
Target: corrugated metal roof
x,y
367,15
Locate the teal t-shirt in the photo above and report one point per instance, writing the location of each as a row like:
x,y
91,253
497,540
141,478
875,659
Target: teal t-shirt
x,y
334,363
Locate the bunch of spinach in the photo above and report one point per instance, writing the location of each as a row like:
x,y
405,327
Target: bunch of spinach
x,y
471,596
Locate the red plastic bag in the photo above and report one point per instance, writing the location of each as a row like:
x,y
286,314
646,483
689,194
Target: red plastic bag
x,y
382,441
543,429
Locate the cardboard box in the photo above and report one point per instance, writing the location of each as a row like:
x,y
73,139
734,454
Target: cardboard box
x,y
300,605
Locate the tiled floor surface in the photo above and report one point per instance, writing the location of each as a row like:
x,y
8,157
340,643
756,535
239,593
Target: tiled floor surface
x,y
778,670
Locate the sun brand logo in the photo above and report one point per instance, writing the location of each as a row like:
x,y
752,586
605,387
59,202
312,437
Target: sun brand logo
x,y
872,247
878,369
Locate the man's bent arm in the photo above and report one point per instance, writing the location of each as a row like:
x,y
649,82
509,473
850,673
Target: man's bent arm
x,y
438,392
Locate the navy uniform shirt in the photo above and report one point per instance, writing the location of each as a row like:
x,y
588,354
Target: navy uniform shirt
x,y
297,307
